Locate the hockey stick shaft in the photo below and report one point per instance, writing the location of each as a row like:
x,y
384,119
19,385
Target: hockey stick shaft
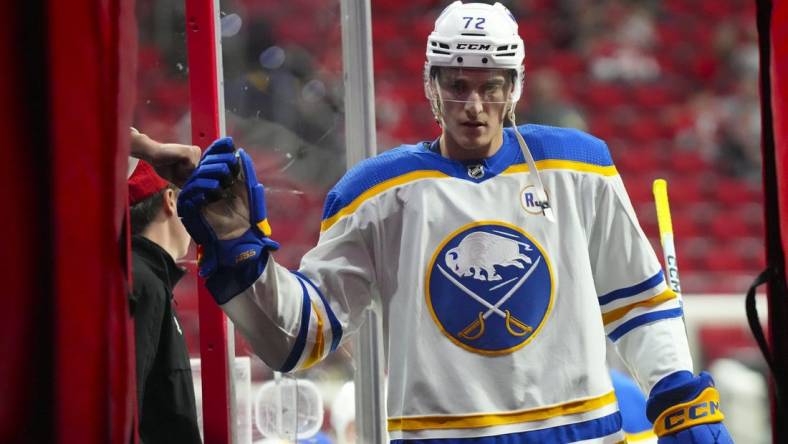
x,y
660,189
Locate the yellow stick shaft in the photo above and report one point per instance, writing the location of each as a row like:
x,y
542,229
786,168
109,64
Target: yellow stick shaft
x,y
660,189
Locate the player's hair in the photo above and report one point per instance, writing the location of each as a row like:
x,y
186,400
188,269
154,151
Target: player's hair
x,y
145,211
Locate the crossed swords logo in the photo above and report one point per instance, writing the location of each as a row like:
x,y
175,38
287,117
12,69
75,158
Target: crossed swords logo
x,y
476,329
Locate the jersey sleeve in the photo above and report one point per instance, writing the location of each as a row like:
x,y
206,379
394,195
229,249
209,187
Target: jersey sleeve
x,y
293,319
641,314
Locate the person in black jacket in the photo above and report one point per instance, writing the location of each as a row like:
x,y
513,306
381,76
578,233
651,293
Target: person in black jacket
x,y
165,391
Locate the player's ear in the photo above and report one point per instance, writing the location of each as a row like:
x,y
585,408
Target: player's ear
x,y
170,201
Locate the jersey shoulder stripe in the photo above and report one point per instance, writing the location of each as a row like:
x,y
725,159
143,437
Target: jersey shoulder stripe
x,y
555,143
552,148
376,174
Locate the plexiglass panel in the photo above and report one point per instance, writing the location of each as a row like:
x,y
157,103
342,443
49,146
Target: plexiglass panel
x,y
283,98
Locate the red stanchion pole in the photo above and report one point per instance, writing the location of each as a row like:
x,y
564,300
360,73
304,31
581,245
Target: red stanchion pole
x,y
206,119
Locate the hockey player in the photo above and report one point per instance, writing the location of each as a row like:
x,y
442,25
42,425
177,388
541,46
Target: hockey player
x,y
501,258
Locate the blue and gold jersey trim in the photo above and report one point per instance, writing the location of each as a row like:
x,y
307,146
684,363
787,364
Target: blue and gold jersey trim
x,y
549,142
414,423
643,319
633,290
552,148
619,313
570,165
595,428
318,348
643,303
336,327
378,189
317,339
300,342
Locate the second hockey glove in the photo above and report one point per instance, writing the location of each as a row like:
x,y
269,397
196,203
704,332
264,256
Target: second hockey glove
x,y
686,410
222,207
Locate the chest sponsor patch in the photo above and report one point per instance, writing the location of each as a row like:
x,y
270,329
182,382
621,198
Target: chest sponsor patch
x,y
530,202
489,287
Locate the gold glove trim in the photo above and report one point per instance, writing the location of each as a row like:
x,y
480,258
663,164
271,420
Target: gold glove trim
x,y
704,409
264,227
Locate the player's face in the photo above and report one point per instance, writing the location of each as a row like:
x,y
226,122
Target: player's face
x,y
473,102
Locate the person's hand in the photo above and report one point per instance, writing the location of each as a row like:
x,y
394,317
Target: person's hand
x,y
175,162
686,410
172,161
222,207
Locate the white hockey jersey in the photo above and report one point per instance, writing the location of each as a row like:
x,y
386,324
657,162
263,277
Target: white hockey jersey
x,y
494,317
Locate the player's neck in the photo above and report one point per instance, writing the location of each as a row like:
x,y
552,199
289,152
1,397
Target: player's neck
x,y
449,148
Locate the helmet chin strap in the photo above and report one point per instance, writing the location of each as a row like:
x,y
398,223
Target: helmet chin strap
x,y
541,196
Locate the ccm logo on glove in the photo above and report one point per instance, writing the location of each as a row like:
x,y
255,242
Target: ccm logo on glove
x,y
245,255
702,410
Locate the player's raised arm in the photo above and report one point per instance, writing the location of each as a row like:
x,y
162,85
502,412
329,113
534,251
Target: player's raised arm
x,y
285,315
172,161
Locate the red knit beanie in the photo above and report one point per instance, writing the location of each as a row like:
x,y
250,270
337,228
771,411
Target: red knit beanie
x,y
144,183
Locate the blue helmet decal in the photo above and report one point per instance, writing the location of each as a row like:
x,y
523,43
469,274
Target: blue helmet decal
x,y
490,287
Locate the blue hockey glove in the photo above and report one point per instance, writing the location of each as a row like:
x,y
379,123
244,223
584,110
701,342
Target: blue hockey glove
x,y
686,410
222,207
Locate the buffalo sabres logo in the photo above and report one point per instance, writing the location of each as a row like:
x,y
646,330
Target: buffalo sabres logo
x,y
489,287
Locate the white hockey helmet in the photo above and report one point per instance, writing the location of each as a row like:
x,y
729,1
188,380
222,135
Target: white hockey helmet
x,y
476,35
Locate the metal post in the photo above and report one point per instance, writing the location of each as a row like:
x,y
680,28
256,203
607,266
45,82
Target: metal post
x,y
360,135
360,140
217,348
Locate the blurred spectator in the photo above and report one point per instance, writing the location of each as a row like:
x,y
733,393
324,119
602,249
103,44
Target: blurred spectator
x,y
625,54
279,102
547,104
739,152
